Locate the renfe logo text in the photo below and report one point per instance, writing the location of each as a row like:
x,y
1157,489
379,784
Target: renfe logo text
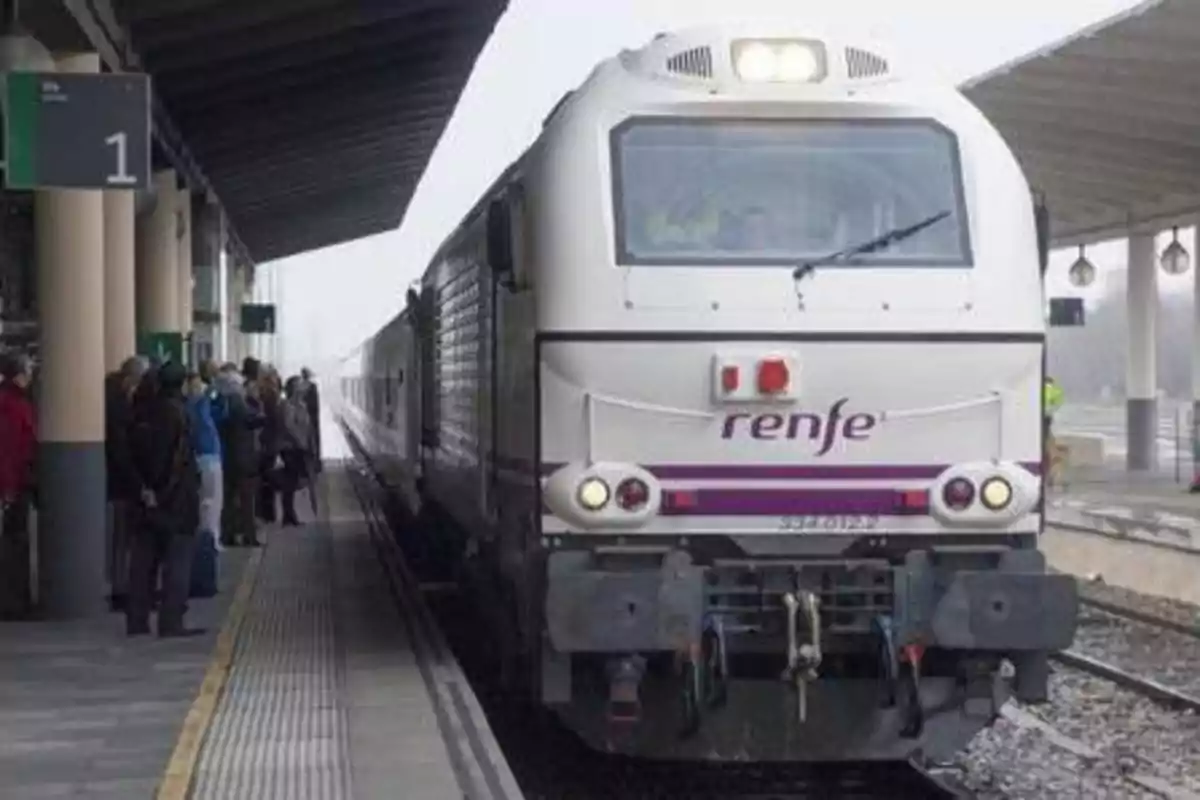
x,y
814,427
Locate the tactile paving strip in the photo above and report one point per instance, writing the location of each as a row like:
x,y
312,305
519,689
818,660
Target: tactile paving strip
x,y
280,730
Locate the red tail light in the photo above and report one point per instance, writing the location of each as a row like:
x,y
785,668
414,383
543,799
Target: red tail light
x,y
773,376
729,379
632,494
912,501
679,500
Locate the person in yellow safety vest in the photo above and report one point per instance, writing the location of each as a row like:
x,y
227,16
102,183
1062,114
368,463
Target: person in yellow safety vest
x,y
1052,400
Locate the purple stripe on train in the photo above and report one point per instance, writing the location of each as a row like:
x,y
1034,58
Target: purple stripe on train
x,y
786,502
797,472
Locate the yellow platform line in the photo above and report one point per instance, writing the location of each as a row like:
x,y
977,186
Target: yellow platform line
x,y
177,780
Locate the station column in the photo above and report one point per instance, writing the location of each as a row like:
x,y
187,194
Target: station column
x,y
69,228
1141,377
1195,352
157,256
183,262
120,324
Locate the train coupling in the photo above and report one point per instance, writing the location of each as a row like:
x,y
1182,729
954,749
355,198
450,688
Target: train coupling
x,y
624,690
803,659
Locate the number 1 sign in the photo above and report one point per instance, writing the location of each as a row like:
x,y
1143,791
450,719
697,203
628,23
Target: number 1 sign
x,y
77,131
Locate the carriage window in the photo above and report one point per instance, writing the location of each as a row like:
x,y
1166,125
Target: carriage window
x,y
727,192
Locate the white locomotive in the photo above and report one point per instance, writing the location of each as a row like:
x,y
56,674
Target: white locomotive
x,y
731,386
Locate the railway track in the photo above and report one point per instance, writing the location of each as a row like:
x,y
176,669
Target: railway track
x,y
551,764
1143,685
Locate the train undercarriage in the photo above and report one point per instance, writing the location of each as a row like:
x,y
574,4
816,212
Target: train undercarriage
x,y
882,648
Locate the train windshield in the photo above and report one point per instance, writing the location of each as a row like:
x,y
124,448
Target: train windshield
x,y
765,192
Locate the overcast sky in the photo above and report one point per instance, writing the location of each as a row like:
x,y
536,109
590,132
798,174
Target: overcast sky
x,y
336,297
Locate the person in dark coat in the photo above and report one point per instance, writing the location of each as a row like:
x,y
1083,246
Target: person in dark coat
x,y
312,401
167,513
268,442
239,452
295,441
122,480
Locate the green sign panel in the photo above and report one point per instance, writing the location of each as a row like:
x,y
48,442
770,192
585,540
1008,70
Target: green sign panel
x,y
258,318
167,346
77,131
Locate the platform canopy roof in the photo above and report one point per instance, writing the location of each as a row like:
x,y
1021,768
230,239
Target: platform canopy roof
x,y
310,121
1107,122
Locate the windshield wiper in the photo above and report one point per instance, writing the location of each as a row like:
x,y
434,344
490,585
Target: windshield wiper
x,y
878,243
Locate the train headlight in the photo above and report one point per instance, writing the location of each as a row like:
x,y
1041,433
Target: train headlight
x,y
593,494
778,60
996,493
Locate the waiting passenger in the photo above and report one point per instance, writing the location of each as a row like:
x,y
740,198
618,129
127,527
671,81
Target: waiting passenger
x,y
18,449
239,460
167,513
207,410
269,398
312,401
295,443
122,480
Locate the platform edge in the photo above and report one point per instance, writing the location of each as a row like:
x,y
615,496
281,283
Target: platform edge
x,y
176,783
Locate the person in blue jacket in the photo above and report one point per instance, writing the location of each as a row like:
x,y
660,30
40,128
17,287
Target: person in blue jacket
x,y
208,409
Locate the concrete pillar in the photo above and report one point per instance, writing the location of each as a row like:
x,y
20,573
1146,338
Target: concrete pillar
x,y
233,309
1141,378
69,228
157,255
206,296
183,262
120,324
1195,439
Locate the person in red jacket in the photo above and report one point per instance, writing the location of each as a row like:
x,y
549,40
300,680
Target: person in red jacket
x,y
18,446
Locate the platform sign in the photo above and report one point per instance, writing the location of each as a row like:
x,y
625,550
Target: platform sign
x,y
76,131
258,318
1066,312
163,346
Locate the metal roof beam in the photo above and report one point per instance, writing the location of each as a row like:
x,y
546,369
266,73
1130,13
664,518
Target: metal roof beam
x,y
187,48
237,17
1071,162
1095,57
1091,191
302,212
1144,217
268,192
324,147
1103,180
1098,123
132,11
1120,101
320,165
1055,76
323,54
1124,146
316,116
395,64
354,222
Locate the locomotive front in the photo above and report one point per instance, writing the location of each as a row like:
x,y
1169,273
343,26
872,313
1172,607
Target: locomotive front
x,y
788,407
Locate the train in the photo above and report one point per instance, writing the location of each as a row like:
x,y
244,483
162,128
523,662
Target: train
x,y
726,395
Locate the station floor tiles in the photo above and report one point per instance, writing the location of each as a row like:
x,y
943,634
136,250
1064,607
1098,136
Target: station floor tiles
x,y
86,712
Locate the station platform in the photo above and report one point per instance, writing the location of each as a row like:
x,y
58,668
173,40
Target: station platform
x,y
321,683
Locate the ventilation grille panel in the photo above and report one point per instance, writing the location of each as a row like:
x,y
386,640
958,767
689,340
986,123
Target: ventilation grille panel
x,y
697,62
864,64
